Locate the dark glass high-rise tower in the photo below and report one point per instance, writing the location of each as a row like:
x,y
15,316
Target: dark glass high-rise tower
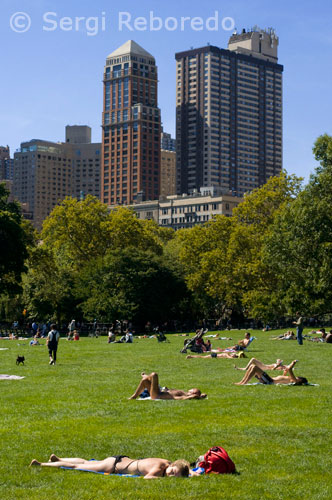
x,y
229,114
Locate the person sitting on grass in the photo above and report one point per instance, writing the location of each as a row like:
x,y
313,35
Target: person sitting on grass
x,y
149,468
288,376
227,355
151,384
240,346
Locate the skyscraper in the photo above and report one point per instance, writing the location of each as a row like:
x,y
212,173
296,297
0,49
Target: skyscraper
x,y
167,142
6,164
229,114
131,127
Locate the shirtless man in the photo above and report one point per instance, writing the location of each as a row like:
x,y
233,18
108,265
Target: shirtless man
x,y
149,468
240,346
287,377
151,383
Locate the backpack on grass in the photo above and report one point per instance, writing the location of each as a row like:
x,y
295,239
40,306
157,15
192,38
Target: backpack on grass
x,y
217,461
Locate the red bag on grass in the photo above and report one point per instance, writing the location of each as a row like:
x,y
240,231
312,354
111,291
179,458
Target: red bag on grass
x,y
217,461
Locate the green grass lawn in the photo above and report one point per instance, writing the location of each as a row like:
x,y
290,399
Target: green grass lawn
x,y
278,437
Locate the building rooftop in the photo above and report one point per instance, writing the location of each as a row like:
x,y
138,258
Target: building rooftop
x,y
130,47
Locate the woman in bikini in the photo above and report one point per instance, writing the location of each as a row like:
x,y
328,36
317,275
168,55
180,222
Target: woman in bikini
x,y
288,376
149,468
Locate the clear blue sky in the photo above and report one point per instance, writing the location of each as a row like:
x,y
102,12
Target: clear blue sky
x,y
53,78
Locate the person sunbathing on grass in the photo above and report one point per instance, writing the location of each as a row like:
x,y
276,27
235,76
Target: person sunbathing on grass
x,y
151,384
288,376
228,355
278,365
240,346
149,468
289,335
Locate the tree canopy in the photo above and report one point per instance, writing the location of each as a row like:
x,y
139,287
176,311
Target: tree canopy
x,y
14,241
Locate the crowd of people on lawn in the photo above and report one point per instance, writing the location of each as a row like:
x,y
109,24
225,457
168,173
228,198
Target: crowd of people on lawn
x,y
149,387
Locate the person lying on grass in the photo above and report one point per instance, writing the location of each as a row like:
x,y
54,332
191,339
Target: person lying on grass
x,y
149,468
325,337
151,384
285,336
288,376
278,365
227,355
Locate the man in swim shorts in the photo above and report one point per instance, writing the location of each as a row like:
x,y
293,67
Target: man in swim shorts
x,y
149,468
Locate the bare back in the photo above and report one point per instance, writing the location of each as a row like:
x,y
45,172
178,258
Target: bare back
x,y
143,466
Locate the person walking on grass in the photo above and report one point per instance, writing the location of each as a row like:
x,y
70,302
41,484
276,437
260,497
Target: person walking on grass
x,y
149,468
52,343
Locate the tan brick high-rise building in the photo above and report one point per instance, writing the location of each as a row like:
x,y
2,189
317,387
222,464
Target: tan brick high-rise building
x,y
229,114
131,127
167,172
46,172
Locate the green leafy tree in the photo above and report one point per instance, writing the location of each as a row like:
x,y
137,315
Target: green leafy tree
x,y
83,230
48,287
223,259
299,249
14,241
131,284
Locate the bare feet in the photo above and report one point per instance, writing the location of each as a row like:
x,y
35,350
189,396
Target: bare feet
x,y
54,458
188,357
278,364
34,462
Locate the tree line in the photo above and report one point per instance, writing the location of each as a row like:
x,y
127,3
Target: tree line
x,y
272,257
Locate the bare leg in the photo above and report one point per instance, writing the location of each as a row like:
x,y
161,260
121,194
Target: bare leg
x,y
262,366
149,382
55,458
250,373
190,356
106,465
289,370
144,384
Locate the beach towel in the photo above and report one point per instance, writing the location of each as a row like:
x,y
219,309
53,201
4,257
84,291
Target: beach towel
x,y
10,377
103,473
291,383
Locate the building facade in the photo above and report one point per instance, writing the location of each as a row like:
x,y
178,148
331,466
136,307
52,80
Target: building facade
x,y
167,142
167,172
180,212
6,164
131,127
229,114
46,172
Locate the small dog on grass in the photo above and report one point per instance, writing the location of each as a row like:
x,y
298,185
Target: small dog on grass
x,y
20,359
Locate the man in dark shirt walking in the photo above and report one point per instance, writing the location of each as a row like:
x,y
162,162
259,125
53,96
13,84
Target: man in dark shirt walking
x,y
52,343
